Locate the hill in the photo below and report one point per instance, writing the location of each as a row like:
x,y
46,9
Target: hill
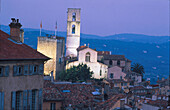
x,y
150,51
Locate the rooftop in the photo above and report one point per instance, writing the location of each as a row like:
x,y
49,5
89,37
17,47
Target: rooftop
x,y
17,51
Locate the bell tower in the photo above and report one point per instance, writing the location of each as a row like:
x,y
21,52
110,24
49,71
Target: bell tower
x,y
73,31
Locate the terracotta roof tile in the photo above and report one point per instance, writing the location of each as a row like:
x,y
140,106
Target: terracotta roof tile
x,y
10,50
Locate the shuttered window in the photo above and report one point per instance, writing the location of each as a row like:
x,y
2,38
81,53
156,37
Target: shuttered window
x,y
30,100
31,69
25,69
25,99
40,99
13,100
41,69
34,100
6,71
18,100
53,106
1,100
15,70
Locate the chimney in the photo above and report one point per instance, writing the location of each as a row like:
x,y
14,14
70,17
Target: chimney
x,y
22,35
15,30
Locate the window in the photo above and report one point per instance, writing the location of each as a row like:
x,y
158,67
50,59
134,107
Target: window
x,y
120,77
111,75
19,70
1,100
53,106
110,62
60,60
74,16
18,100
1,71
100,72
25,69
118,62
35,69
40,100
87,57
4,71
33,99
73,29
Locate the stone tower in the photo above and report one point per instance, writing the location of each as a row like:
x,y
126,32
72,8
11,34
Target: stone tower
x,y
73,31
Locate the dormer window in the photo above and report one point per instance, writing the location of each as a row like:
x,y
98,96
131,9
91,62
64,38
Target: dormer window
x,y
87,59
74,16
73,29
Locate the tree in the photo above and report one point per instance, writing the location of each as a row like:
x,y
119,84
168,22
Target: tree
x,y
76,73
138,68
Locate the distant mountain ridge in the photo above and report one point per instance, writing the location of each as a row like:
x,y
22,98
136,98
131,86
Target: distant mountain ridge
x,y
150,51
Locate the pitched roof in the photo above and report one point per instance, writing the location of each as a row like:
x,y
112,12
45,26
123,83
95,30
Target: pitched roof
x,y
103,52
83,47
114,57
9,50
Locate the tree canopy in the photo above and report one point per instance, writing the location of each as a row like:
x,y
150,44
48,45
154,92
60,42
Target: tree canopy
x,y
138,68
76,73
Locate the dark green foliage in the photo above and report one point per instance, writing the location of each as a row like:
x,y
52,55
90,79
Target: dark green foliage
x,y
138,68
76,73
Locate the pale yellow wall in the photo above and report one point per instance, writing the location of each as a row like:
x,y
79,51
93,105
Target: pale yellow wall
x,y
117,71
48,47
18,83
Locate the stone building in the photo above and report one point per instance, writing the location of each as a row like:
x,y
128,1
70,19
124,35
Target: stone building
x,y
118,65
21,72
88,56
54,48
73,31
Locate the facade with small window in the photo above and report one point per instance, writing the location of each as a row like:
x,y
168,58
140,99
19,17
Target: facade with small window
x,y
88,56
115,72
21,75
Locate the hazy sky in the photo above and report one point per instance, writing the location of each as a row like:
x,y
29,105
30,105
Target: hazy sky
x,y
99,17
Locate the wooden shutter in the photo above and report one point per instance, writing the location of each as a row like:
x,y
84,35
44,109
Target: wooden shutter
x,y
13,100
31,69
25,69
6,70
14,70
40,99
41,69
1,100
30,99
25,95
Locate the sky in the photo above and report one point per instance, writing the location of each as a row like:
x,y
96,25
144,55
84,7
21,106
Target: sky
x,y
98,17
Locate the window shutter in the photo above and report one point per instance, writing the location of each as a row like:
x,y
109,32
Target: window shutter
x,y
0,100
14,70
40,99
7,71
2,97
30,99
41,68
31,69
13,100
25,69
25,95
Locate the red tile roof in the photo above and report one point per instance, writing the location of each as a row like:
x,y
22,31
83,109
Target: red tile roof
x,y
10,50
